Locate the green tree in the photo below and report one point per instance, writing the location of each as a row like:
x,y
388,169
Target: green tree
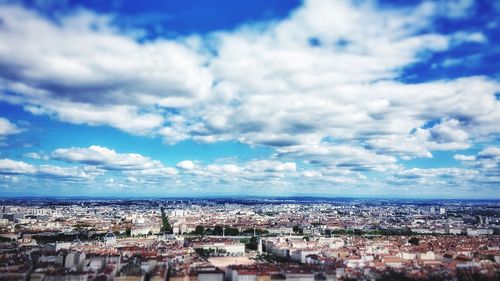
x,y
218,230
414,241
231,231
166,227
252,243
297,229
199,230
258,231
205,252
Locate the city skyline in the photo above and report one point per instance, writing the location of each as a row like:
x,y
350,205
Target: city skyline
x,y
258,98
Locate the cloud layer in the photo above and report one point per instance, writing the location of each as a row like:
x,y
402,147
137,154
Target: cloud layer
x,y
324,88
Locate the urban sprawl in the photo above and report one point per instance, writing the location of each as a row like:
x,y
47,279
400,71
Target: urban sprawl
x,y
260,239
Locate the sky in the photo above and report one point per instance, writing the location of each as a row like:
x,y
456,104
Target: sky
x,y
196,98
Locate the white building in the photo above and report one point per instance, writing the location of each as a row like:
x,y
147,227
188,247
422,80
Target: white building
x,y
299,277
429,255
233,249
209,274
242,275
96,264
479,231
144,230
455,231
74,260
178,213
301,254
110,239
62,245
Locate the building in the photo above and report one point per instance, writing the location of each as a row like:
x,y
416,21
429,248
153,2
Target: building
x,y
209,273
233,249
110,239
74,260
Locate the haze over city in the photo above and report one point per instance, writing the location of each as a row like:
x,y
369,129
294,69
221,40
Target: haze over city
x,y
250,98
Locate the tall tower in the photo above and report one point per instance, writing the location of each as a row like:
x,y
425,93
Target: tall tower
x,y
259,246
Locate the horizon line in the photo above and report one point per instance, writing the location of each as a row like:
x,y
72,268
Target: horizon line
x,y
215,197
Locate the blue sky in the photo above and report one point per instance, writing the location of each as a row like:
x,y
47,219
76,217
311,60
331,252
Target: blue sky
x,y
271,98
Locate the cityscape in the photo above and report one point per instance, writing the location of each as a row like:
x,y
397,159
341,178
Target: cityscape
x,y
249,239
249,140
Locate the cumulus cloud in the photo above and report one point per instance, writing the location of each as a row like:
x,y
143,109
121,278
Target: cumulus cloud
x,y
461,157
13,167
276,89
435,172
449,132
480,171
319,89
105,158
68,173
36,155
487,161
268,85
186,165
7,128
439,180
490,153
81,70
250,171
154,172
340,156
445,135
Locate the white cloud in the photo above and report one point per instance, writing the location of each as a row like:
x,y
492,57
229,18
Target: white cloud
x,y
481,172
186,165
320,86
124,117
94,161
456,9
487,161
250,171
68,173
33,155
439,180
461,157
37,155
81,70
7,128
475,37
446,135
224,169
448,132
436,172
163,172
12,167
273,87
270,166
490,153
132,180
340,156
106,158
